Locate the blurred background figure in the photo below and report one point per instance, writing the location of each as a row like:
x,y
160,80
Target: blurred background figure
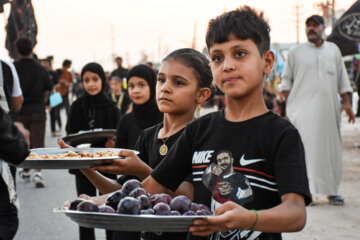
x,y
54,112
65,81
120,97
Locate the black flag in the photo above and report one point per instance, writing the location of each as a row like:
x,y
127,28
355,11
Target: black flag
x,y
21,23
346,32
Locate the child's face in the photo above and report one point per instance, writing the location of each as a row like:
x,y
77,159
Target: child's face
x,y
176,88
237,67
92,83
139,90
115,86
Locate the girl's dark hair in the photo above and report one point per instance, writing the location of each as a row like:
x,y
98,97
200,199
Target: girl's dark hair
x,y
244,23
198,62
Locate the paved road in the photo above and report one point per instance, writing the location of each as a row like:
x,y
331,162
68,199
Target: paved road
x,y
37,220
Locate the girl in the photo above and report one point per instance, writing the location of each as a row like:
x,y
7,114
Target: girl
x,y
120,97
93,110
184,81
145,113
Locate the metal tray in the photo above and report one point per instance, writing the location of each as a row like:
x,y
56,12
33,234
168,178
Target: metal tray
x,y
90,136
136,223
75,163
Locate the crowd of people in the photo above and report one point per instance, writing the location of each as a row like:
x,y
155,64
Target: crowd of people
x,y
273,163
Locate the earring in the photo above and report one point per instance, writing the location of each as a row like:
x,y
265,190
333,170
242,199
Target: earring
x,y
199,108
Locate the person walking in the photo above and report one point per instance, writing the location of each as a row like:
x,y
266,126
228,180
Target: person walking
x,y
35,85
313,78
65,82
54,112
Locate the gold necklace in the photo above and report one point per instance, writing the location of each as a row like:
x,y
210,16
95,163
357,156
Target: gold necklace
x,y
163,148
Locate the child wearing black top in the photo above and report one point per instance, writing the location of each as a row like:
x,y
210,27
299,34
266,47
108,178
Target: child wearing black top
x,y
247,163
93,110
184,81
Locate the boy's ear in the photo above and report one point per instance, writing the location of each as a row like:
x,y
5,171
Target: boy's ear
x,y
203,95
268,59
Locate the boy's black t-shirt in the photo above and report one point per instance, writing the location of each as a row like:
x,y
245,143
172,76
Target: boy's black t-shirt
x,y
266,149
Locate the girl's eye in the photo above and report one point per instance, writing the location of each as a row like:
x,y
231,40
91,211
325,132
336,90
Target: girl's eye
x,y
178,83
216,58
131,86
86,80
240,54
162,80
141,85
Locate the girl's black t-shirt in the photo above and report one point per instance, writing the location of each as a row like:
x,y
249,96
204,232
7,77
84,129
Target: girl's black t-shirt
x,y
148,145
267,150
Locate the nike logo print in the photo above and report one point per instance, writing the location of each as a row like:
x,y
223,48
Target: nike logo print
x,y
244,162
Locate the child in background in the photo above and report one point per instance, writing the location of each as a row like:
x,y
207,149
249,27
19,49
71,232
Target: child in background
x,y
93,110
120,97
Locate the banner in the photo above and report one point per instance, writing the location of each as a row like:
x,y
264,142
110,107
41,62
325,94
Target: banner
x,y
346,32
21,23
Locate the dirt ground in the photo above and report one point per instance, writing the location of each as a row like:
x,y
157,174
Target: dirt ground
x,y
334,222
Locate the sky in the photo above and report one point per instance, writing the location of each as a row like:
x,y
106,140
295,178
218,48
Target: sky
x,y
98,30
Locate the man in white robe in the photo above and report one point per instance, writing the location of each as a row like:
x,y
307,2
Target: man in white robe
x,y
313,78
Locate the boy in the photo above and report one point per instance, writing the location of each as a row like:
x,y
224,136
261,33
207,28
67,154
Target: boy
x,y
263,149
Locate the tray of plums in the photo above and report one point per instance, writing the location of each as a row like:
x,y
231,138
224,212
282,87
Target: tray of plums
x,y
69,158
89,136
133,209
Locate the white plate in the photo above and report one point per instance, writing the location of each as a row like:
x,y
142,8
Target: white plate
x,y
135,223
69,163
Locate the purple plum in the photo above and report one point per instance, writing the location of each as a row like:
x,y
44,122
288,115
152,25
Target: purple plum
x,y
75,203
106,209
130,185
180,203
145,202
161,209
129,205
138,192
88,206
114,199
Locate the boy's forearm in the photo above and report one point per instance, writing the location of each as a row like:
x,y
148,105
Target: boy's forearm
x,y
289,216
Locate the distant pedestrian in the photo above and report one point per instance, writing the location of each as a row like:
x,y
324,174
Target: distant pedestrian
x,y
54,112
312,80
120,97
35,85
65,82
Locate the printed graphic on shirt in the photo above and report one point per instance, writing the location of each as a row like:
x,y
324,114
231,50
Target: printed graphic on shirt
x,y
226,184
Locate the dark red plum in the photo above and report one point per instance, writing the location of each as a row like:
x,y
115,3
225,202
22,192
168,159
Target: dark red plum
x,y
138,192
145,202
148,211
106,209
189,213
162,197
130,185
161,209
198,206
88,206
181,203
75,203
129,205
114,199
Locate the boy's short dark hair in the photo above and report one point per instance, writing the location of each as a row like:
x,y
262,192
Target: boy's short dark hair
x,y
244,23
24,46
66,63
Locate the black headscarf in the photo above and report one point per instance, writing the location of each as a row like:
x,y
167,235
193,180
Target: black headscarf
x,y
145,114
96,107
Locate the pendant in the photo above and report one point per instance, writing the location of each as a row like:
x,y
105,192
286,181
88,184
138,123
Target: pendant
x,y
163,150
